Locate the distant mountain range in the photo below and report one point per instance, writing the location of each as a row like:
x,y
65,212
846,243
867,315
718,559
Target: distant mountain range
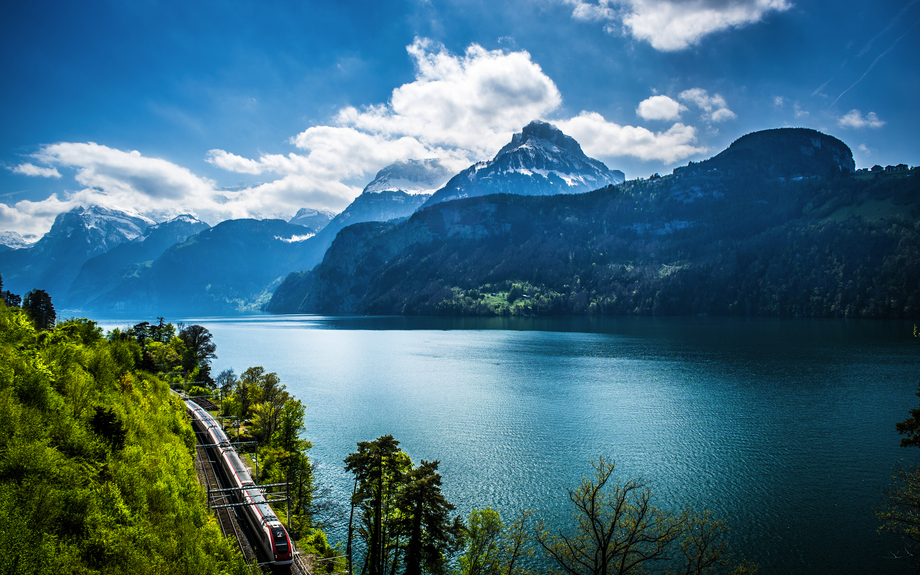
x,y
54,261
775,225
765,227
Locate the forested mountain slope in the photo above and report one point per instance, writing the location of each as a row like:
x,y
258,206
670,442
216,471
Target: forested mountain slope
x,y
800,237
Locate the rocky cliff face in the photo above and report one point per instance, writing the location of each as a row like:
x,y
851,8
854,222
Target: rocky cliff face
x,y
539,161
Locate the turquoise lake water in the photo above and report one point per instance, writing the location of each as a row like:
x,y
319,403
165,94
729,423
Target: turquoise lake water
x,y
784,428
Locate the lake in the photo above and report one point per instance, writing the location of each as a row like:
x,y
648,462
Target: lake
x,y
785,428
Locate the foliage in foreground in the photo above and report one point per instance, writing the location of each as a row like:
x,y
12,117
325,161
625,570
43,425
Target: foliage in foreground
x,y
96,472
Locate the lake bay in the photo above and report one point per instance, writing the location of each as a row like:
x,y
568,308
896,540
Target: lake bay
x,y
784,428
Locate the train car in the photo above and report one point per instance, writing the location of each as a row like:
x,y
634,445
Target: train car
x,y
272,537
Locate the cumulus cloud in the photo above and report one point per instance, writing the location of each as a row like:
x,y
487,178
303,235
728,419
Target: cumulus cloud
x,y
855,119
459,108
28,169
472,101
714,107
602,139
671,25
659,108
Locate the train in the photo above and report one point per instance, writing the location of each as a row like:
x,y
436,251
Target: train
x,y
272,537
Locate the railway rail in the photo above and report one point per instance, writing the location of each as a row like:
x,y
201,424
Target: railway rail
x,y
226,511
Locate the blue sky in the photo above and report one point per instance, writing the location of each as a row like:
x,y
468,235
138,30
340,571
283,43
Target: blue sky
x,y
255,109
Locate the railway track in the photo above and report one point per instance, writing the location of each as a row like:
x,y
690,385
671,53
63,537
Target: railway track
x,y
227,518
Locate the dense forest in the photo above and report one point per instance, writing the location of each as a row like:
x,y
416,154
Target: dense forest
x,y
711,241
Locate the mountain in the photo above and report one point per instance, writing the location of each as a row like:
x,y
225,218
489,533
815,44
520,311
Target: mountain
x,y
310,218
823,242
780,153
102,273
411,176
539,161
231,267
54,261
14,241
380,201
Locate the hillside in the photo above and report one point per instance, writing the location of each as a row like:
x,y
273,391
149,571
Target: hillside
x,y
96,473
774,240
103,273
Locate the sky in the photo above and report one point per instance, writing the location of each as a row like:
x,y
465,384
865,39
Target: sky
x,y
236,108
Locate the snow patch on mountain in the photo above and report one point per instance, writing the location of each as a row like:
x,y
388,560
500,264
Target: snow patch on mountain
x,y
411,176
14,241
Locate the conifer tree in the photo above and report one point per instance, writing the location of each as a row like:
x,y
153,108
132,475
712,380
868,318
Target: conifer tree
x,y
38,303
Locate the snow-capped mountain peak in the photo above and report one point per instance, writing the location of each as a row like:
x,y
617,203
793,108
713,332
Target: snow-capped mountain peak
x,y
14,241
539,161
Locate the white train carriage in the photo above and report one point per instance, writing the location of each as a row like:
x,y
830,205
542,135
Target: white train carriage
x,y
273,538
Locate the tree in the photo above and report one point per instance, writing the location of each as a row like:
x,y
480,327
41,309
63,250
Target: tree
x,y
616,528
200,350
379,468
425,517
493,548
901,512
226,381
38,304
910,426
267,396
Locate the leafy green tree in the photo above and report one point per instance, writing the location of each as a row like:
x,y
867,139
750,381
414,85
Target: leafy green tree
x,y
38,305
425,519
379,468
493,548
200,349
267,396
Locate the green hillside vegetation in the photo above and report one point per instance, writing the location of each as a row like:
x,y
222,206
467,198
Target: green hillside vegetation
x,y
96,469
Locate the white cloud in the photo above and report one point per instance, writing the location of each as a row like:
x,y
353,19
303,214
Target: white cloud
x,y
472,102
602,139
671,25
778,101
714,107
33,170
799,112
659,108
855,119
460,108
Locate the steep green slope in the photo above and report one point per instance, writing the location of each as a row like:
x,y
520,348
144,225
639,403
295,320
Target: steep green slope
x,y
96,472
